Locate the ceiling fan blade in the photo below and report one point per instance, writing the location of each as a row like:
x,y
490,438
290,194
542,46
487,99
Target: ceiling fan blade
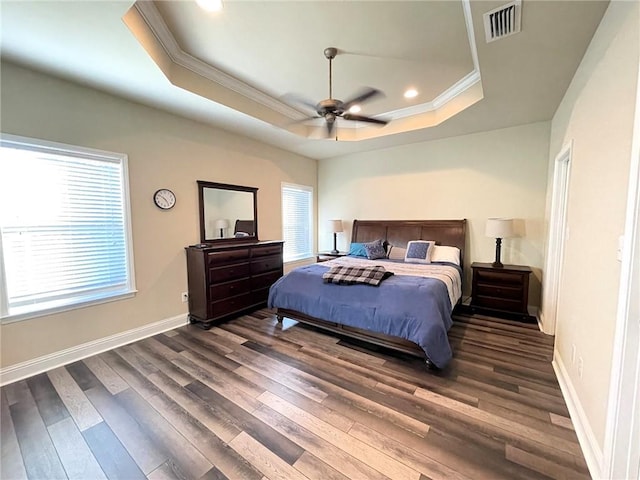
x,y
367,94
303,120
292,98
360,118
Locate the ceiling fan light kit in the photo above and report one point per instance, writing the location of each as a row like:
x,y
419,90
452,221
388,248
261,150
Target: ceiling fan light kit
x,y
331,108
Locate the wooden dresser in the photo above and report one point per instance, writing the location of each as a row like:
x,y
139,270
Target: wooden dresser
x,y
227,280
502,290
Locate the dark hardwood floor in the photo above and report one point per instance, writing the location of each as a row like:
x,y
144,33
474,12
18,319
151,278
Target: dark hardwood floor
x,y
252,399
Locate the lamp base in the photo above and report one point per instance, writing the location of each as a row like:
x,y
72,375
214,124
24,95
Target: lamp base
x,y
497,263
334,252
335,244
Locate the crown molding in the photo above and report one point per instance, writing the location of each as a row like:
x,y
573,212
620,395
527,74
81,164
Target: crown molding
x,y
156,24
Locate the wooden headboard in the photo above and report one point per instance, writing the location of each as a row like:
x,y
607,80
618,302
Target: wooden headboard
x,y
245,226
399,232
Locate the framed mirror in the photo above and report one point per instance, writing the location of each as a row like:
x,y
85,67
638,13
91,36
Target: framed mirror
x,y
228,213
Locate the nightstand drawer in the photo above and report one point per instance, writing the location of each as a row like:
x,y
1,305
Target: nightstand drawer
x,y
505,304
501,278
500,291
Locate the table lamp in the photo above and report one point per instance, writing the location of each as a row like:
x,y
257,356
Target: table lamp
x,y
335,227
222,224
499,228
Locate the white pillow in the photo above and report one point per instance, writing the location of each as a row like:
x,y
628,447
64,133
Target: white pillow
x,y
442,253
419,251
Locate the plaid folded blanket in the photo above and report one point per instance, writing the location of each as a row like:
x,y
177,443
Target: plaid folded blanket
x,y
356,275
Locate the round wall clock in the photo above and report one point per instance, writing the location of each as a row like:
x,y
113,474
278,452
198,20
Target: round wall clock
x,y
164,199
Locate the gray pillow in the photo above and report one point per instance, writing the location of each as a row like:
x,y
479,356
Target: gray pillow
x,y
375,250
397,253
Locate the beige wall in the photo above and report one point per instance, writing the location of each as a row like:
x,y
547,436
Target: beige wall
x,y
501,173
164,151
597,114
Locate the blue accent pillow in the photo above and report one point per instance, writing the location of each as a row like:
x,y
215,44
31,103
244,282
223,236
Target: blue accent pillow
x,y
419,251
357,250
375,250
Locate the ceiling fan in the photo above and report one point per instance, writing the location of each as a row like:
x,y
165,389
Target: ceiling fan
x,y
331,108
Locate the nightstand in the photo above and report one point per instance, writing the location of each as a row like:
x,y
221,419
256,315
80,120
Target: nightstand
x,y
501,291
326,256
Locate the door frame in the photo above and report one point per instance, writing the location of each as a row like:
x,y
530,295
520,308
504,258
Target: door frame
x,y
557,238
621,453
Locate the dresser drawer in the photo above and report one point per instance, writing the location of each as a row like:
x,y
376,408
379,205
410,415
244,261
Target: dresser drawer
x,y
502,278
230,305
259,296
265,280
264,251
230,289
500,291
266,264
231,272
229,256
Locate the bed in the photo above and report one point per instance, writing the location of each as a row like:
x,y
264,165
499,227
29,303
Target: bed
x,y
419,327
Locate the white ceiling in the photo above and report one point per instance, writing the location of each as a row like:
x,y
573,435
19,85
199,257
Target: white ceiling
x,y
264,50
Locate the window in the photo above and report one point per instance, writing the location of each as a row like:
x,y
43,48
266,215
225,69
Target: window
x,y
65,234
297,218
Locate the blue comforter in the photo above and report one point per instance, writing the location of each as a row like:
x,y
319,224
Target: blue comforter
x,y
414,308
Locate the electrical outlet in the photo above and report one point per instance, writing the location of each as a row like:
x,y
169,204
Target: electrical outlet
x,y
573,354
580,366
185,297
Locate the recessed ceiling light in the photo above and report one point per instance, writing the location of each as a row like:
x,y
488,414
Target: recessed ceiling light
x,y
355,109
210,5
411,93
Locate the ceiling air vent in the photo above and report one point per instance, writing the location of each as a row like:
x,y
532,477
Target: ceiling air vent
x,y
502,21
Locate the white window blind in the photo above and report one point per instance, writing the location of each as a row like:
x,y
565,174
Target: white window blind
x,y
297,219
65,235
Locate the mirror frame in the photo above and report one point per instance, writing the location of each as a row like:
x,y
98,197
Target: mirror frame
x,y
236,188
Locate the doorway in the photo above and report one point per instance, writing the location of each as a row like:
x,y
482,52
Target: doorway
x,y
557,237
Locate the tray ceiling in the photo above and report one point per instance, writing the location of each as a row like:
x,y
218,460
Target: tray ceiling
x,y
234,69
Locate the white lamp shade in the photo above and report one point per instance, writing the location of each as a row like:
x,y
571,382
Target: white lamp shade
x,y
500,228
222,223
335,226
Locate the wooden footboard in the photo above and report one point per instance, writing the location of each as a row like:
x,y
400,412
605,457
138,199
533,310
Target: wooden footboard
x,y
388,341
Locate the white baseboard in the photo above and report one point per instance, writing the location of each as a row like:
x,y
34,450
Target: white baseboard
x,y
591,450
540,319
22,370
